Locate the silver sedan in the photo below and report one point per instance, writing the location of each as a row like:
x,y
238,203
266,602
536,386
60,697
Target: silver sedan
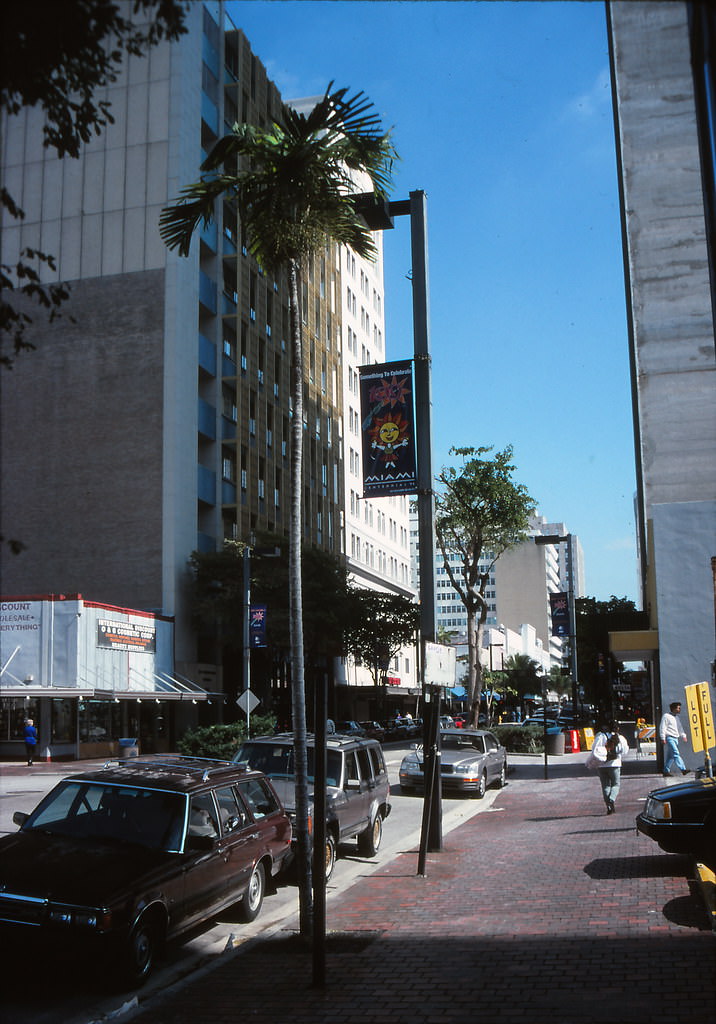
x,y
471,760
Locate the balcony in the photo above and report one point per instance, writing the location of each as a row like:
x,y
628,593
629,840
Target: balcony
x,y
206,485
207,420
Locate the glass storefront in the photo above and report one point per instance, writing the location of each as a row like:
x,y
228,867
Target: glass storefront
x,y
13,712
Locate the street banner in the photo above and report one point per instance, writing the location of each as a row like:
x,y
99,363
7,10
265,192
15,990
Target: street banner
x,y
388,429
257,626
559,607
698,702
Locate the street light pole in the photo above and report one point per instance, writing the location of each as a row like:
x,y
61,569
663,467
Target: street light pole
x,y
378,215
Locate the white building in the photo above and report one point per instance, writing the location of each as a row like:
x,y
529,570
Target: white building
x,y
376,530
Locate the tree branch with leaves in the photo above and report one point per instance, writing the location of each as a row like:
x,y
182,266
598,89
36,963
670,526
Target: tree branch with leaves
x,y
480,513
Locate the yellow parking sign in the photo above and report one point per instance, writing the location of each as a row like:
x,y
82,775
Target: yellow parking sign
x,y
698,703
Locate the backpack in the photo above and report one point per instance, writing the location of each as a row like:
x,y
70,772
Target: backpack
x,y
612,746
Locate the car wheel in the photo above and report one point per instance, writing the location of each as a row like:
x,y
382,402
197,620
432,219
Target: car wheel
x,y
330,855
369,841
502,781
406,790
141,951
481,786
254,896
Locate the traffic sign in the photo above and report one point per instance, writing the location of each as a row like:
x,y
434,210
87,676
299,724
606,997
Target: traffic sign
x,y
248,701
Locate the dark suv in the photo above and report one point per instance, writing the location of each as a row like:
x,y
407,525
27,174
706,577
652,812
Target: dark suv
x,y
357,788
124,858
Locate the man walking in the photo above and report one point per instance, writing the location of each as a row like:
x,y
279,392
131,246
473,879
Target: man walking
x,y
670,732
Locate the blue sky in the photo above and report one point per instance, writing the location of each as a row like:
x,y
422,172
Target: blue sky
x,y
501,113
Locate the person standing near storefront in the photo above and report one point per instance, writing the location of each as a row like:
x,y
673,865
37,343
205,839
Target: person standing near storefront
x,y
670,732
30,737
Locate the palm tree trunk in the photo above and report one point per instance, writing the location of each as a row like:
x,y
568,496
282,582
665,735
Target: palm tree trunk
x,y
298,688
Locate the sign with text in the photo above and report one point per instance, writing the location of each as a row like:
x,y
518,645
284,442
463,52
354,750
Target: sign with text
x,y
559,607
388,429
126,636
701,722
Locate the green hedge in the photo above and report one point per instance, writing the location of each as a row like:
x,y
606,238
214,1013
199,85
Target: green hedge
x,y
520,739
222,741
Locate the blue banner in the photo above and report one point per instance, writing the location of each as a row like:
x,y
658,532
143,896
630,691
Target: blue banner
x,y
257,625
559,606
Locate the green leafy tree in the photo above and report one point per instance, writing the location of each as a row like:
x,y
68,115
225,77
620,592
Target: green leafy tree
x,y
56,55
522,675
378,627
480,512
292,183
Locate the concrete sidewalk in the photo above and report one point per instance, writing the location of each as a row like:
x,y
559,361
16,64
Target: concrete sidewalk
x,y
541,909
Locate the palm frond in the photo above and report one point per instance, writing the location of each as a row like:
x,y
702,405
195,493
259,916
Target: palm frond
x,y
178,222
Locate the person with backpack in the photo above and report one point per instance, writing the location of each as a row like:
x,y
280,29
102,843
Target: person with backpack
x,y
608,748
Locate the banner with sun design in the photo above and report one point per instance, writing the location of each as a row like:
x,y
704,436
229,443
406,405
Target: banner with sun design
x,y
388,429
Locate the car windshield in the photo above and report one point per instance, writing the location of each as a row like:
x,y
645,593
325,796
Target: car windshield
x,y
93,810
462,741
276,761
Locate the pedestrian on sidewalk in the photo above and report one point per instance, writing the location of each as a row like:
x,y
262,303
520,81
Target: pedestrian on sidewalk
x,y
670,732
30,737
608,748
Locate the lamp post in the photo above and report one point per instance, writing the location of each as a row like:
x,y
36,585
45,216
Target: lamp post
x,y
378,215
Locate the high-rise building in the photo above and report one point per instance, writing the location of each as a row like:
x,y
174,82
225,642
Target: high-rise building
x,y
152,419
376,530
663,61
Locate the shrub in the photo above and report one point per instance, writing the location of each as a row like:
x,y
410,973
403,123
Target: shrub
x,y
222,741
520,739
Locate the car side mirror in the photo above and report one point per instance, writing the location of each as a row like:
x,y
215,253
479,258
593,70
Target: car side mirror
x,y
353,784
20,817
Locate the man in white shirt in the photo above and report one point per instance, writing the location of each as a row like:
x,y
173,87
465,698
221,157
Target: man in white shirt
x,y
670,732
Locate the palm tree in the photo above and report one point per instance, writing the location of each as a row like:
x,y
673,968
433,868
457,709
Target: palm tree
x,y
292,184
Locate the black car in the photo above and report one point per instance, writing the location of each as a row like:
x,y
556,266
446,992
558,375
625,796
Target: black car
x,y
682,819
120,860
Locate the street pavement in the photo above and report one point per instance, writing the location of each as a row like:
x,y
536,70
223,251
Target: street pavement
x,y
540,909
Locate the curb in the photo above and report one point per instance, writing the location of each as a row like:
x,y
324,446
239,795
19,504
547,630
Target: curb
x,y
707,883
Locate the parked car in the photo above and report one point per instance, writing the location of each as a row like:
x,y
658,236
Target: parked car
x,y
682,819
357,788
402,729
349,728
471,760
122,859
373,730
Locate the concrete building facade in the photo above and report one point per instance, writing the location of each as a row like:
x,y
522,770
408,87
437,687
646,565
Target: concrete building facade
x,y
152,419
662,60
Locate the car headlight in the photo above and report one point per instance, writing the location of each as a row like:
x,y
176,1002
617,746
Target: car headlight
x,y
468,768
81,917
659,810
411,764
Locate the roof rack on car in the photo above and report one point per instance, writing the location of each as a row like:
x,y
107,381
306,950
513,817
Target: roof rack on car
x,y
180,762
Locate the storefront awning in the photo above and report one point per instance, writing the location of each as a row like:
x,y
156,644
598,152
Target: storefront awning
x,y
634,645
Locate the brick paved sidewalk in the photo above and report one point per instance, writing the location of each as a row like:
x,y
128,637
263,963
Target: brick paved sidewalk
x,y
541,910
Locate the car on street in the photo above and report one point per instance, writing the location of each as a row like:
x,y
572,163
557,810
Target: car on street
x,y
122,859
357,787
682,819
373,730
471,760
350,728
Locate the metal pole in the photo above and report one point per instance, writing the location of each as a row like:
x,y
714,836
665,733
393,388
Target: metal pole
x,y
573,628
319,833
246,637
426,498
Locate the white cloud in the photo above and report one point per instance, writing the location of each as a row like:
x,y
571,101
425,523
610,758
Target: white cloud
x,y
595,101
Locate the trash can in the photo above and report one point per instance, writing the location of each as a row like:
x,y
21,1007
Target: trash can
x,y
555,742
128,748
